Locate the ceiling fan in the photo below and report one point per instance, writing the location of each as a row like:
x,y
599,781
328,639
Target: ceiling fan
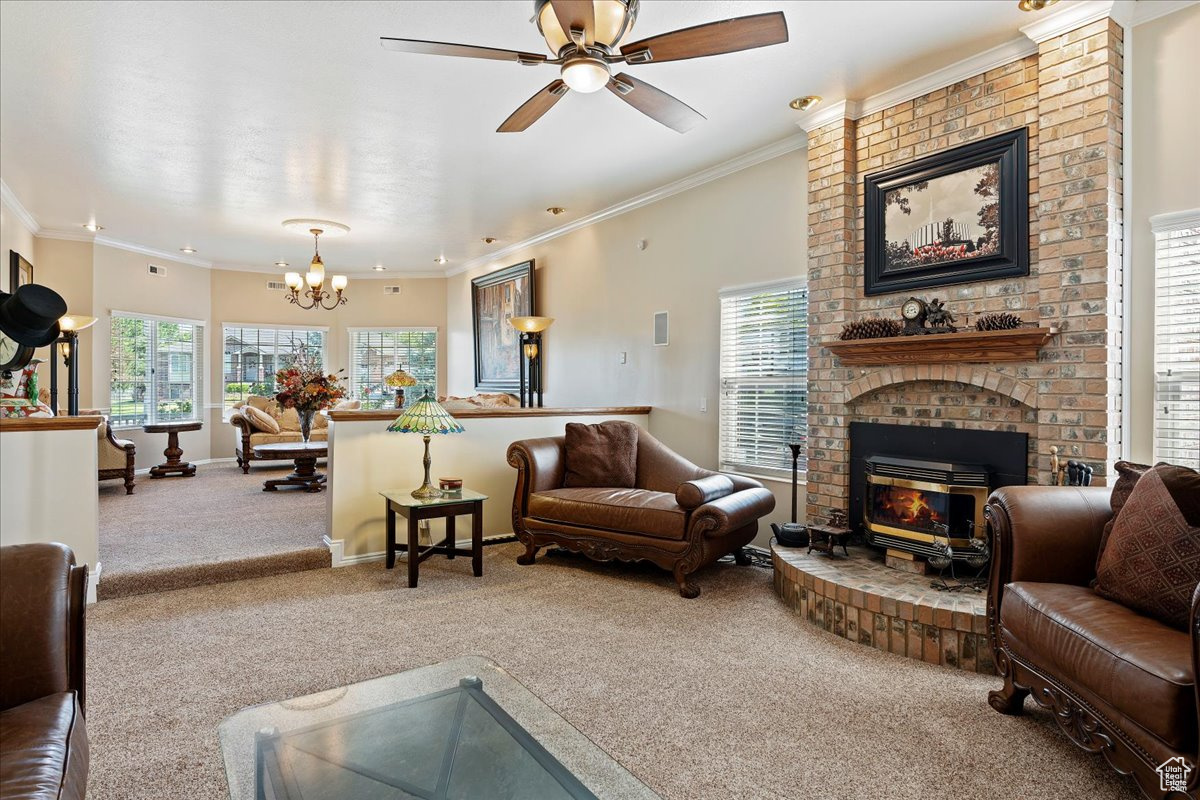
x,y
585,37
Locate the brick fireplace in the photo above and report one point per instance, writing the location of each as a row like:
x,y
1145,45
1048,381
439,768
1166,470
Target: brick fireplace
x,y
1068,96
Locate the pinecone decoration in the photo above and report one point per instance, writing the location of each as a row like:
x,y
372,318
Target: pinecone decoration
x,y
872,328
1003,321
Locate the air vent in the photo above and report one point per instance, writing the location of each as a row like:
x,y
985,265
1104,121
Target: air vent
x,y
391,290
276,286
662,329
155,269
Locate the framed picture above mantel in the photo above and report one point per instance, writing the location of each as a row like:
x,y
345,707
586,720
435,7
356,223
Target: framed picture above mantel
x,y
958,216
495,299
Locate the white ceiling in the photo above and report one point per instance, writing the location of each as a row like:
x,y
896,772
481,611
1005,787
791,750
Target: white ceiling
x,y
208,123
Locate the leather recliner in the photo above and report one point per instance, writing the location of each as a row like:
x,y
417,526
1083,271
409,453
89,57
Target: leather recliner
x,y
43,739
678,515
1119,683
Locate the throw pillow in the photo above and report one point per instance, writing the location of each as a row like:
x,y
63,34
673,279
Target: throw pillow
x,y
1127,475
1152,561
268,404
289,420
260,419
601,455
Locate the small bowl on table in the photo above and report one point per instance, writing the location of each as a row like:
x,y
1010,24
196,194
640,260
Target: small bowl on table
x,y
450,485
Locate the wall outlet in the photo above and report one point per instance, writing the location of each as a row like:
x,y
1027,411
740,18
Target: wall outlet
x,y
703,404
621,357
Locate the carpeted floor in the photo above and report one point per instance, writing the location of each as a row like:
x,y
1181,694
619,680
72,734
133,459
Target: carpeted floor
x,y
218,526
726,696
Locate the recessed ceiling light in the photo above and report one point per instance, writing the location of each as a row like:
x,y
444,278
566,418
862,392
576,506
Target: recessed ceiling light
x,y
490,240
281,263
379,267
93,227
188,250
440,260
555,210
1034,5
805,103
328,228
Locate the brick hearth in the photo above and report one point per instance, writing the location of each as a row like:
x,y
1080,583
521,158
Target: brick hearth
x,y
860,599
1068,95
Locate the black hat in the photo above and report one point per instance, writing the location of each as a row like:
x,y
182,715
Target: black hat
x,y
30,315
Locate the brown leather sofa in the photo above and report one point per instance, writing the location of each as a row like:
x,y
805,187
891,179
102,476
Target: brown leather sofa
x,y
43,740
678,516
1119,683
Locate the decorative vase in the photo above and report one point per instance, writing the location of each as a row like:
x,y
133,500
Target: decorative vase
x,y
306,421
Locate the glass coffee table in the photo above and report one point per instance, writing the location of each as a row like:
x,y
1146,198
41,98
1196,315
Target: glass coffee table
x,y
462,729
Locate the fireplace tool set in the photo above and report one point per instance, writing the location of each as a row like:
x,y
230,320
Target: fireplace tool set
x,y
977,558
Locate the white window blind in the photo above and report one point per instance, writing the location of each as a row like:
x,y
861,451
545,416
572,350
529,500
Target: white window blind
x,y
157,370
764,378
253,354
378,352
1177,339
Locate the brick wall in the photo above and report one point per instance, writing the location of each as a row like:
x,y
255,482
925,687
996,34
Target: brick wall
x,y
1068,96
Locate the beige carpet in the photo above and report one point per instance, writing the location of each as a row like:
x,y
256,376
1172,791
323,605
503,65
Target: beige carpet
x,y
726,696
218,526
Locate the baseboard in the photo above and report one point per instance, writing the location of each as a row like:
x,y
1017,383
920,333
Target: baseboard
x,y
93,582
339,559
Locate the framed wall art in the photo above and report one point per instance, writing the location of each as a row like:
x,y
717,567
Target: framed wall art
x,y
495,299
957,216
20,271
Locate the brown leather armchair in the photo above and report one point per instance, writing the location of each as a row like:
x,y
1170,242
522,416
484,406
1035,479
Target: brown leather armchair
x,y
1119,683
678,516
43,740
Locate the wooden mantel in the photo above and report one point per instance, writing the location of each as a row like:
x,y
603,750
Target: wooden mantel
x,y
1020,344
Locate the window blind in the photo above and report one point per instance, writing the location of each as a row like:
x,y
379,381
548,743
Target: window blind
x,y
378,352
253,354
157,370
764,378
1177,342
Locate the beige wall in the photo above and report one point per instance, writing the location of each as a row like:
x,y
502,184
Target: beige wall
x,y
747,227
243,297
14,236
1165,177
66,267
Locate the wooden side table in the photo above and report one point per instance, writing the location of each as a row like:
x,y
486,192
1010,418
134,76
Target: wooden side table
x,y
446,507
174,453
830,537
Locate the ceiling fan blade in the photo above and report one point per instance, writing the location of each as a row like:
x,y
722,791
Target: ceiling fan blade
x,y
461,50
533,108
578,14
711,39
655,103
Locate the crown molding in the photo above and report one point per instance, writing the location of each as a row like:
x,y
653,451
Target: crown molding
x,y
794,142
960,70
120,244
19,211
1062,20
1145,11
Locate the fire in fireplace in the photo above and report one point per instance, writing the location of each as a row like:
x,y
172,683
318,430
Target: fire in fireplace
x,y
911,504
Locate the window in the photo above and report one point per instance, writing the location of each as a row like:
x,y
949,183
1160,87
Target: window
x,y
157,370
1177,338
253,354
376,353
764,378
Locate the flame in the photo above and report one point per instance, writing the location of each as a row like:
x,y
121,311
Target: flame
x,y
906,506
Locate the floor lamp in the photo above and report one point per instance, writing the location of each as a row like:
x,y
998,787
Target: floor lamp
x,y
531,329
68,346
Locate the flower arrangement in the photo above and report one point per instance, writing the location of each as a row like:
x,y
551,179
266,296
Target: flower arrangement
x,y
304,386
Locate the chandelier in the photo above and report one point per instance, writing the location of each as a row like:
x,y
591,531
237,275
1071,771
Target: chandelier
x,y
316,296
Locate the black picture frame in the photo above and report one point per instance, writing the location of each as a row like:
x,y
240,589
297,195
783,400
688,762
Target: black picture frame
x,y
496,298
1011,150
16,266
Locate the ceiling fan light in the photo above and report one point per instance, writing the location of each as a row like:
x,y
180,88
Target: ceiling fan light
x,y
585,75
556,37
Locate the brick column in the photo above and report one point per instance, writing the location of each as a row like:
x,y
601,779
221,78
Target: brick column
x,y
833,283
1079,250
